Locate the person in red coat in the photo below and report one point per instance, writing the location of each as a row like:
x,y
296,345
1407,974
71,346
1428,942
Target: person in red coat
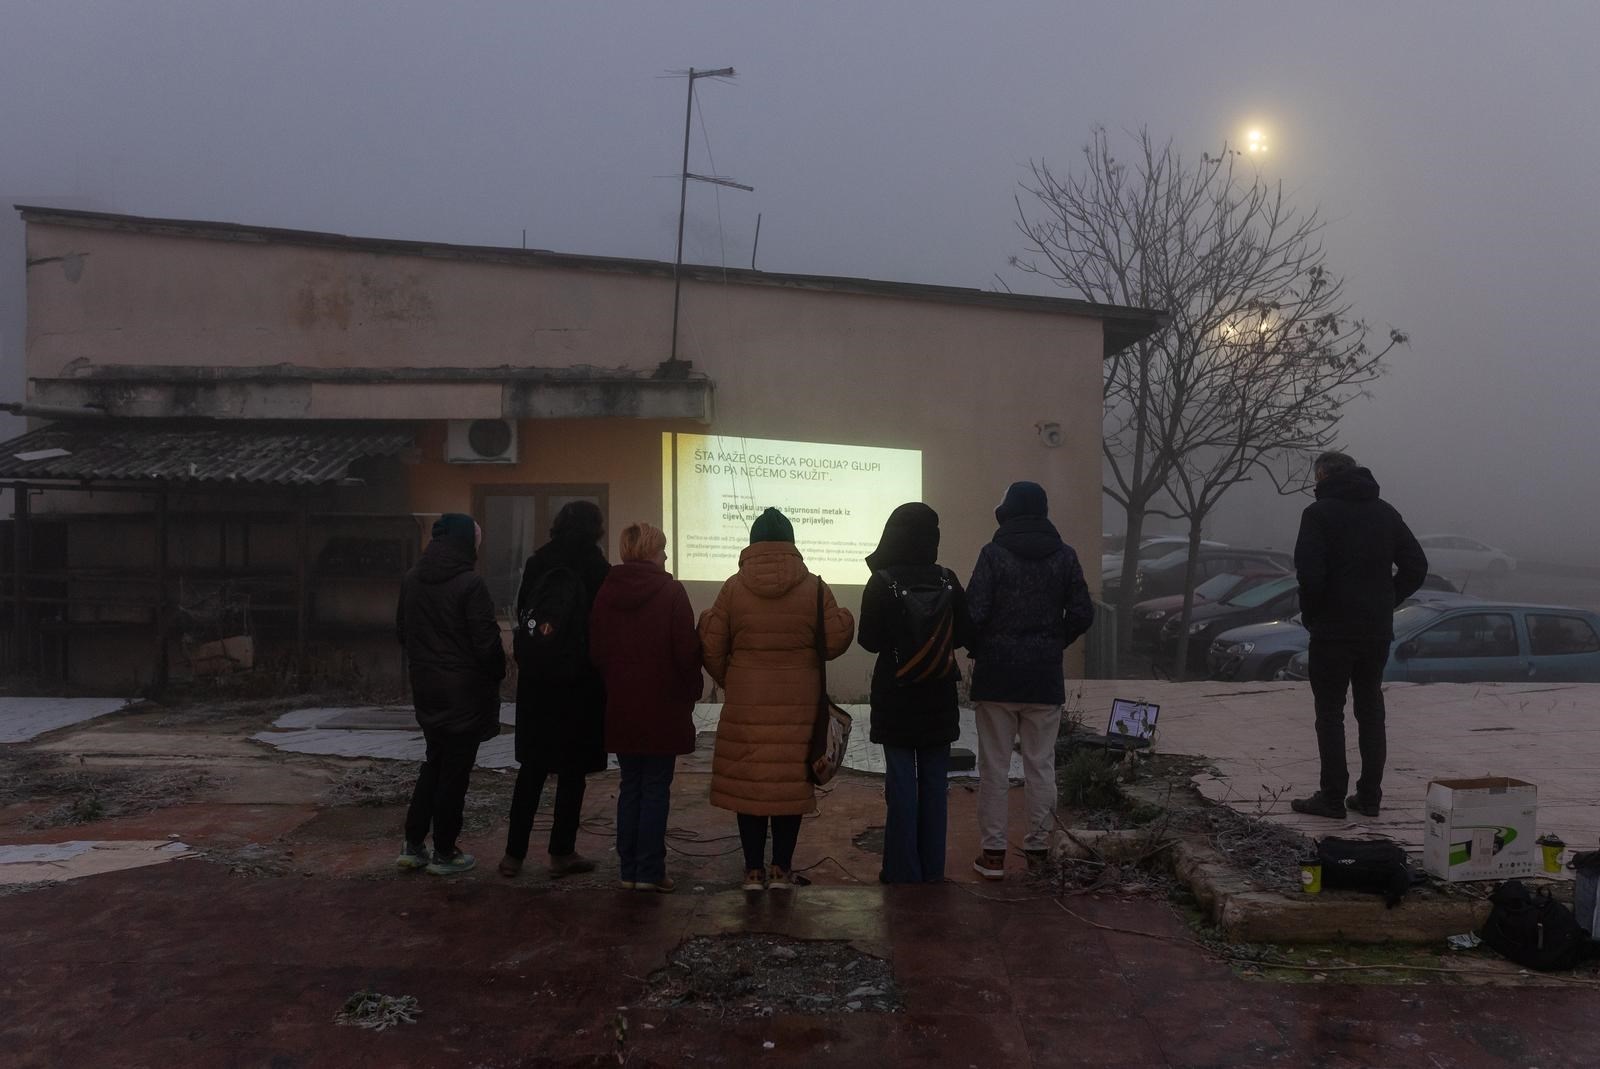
x,y
642,638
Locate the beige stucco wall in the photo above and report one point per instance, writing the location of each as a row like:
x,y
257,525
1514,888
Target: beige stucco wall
x,y
966,384
117,297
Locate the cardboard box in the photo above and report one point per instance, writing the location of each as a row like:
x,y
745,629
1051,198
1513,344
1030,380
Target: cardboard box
x,y
1480,829
241,650
235,654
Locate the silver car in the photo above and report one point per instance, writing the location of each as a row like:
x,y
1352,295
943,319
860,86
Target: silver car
x,y
1256,651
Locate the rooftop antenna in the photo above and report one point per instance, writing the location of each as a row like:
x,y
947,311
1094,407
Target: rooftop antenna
x,y
673,367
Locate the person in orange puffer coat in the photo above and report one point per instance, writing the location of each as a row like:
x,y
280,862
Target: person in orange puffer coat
x,y
759,643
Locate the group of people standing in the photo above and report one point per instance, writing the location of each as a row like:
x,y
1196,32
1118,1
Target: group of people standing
x,y
610,660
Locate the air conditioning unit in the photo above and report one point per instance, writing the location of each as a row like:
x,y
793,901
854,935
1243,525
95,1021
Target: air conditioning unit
x,y
481,441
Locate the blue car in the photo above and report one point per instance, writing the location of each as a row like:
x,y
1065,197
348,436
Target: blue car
x,y
1263,651
1488,642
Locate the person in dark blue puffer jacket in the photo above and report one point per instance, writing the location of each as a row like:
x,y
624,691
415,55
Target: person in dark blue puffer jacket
x,y
1028,602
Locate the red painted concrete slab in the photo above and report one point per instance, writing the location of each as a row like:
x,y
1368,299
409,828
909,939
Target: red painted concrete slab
x,y
187,964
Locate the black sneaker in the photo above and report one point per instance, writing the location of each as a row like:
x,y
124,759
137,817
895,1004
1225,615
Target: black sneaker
x,y
1365,808
451,864
413,856
1318,805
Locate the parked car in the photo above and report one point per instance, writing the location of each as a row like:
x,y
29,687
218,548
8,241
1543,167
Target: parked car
x,y
1263,651
1150,549
1488,642
1434,581
1256,651
1277,599
1460,555
1149,615
1167,574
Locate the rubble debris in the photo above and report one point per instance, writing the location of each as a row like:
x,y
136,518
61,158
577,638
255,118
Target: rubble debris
x,y
382,783
252,859
752,975
386,783
1270,854
1066,875
369,1009
88,793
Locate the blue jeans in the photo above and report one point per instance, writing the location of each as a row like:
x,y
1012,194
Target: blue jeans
x,y
643,801
917,785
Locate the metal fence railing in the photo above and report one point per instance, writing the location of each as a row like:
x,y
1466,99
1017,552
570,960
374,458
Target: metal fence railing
x,y
1100,644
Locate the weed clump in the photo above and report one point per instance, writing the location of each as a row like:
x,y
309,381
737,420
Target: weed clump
x,y
1090,779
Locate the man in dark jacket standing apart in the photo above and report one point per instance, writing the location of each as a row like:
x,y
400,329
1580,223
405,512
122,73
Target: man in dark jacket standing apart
x,y
1357,561
1028,602
447,626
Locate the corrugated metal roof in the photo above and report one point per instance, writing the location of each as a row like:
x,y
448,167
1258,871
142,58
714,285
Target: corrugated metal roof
x,y
303,454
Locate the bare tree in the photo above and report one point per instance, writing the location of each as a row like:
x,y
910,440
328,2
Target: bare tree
x,y
1274,401
1261,352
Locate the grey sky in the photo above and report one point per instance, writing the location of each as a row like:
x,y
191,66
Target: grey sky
x,y
1451,145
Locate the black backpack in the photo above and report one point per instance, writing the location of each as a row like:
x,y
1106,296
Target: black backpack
x,y
1375,865
558,598
1533,929
924,629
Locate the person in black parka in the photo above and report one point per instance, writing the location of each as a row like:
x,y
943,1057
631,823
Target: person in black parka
x,y
446,624
1357,561
916,723
1029,602
560,710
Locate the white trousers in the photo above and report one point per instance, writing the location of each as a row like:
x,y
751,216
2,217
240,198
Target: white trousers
x,y
999,724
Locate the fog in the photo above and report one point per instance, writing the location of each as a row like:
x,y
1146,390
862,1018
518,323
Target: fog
x,y
1451,146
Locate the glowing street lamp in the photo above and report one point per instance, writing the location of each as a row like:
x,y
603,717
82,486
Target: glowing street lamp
x,y
1255,143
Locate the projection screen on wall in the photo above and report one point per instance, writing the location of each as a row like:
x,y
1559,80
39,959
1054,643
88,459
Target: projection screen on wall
x,y
837,497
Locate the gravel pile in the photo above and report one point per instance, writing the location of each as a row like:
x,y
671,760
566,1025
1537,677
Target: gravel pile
x,y
755,975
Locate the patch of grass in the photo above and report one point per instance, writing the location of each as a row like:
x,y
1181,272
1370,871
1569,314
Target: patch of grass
x,y
84,810
1090,780
1145,813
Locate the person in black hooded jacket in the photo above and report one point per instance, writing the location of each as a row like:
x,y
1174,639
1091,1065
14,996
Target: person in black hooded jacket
x,y
1356,561
1029,602
560,707
915,723
446,624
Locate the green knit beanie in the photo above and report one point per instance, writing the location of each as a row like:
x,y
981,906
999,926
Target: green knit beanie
x,y
771,526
